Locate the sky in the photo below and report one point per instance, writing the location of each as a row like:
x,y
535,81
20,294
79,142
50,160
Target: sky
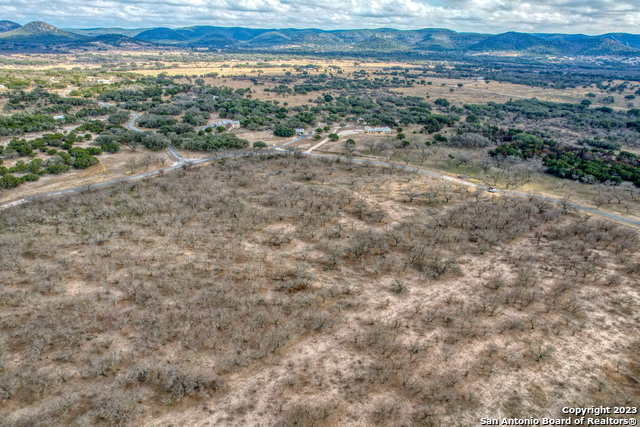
x,y
485,16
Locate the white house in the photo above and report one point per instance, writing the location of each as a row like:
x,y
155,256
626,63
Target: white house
x,y
299,131
105,81
379,130
1,86
58,117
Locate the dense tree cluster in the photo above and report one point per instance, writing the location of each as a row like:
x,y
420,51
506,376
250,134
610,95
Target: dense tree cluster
x,y
212,142
574,163
20,123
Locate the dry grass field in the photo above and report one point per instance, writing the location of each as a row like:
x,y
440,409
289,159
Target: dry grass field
x,y
277,290
110,168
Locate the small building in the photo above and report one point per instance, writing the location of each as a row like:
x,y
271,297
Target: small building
x,y
58,117
2,87
360,121
228,124
378,130
330,68
299,131
104,81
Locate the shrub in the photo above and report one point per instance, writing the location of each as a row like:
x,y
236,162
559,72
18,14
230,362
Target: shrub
x,y
9,181
85,161
443,102
155,141
184,384
438,137
259,145
21,146
111,147
284,131
56,169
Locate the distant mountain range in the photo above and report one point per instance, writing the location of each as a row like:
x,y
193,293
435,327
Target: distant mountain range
x,y
42,35
14,36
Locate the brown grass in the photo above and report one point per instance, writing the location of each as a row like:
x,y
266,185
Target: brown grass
x,y
255,293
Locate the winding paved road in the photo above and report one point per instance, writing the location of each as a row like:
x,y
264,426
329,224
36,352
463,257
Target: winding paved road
x,y
171,149
132,124
362,161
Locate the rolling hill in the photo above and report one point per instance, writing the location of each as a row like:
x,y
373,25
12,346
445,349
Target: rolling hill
x,y
520,42
13,37
111,40
8,26
162,35
39,33
216,41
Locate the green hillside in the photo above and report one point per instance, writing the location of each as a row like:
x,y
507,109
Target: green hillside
x,y
40,33
8,26
382,40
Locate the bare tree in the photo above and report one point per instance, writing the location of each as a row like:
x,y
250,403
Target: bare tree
x,y
411,191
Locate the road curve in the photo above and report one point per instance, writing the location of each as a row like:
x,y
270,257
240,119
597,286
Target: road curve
x,y
65,94
361,161
171,149
132,124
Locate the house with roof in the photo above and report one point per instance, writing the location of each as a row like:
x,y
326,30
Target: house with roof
x,y
377,130
299,131
228,124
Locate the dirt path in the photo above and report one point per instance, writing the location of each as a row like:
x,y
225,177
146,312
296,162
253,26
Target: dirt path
x,y
361,161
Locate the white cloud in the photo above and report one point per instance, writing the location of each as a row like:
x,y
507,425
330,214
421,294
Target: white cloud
x,y
492,16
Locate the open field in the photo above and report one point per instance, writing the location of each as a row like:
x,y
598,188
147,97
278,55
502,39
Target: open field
x,y
276,290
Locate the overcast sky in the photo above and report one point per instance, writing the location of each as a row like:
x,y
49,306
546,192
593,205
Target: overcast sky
x,y
490,16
